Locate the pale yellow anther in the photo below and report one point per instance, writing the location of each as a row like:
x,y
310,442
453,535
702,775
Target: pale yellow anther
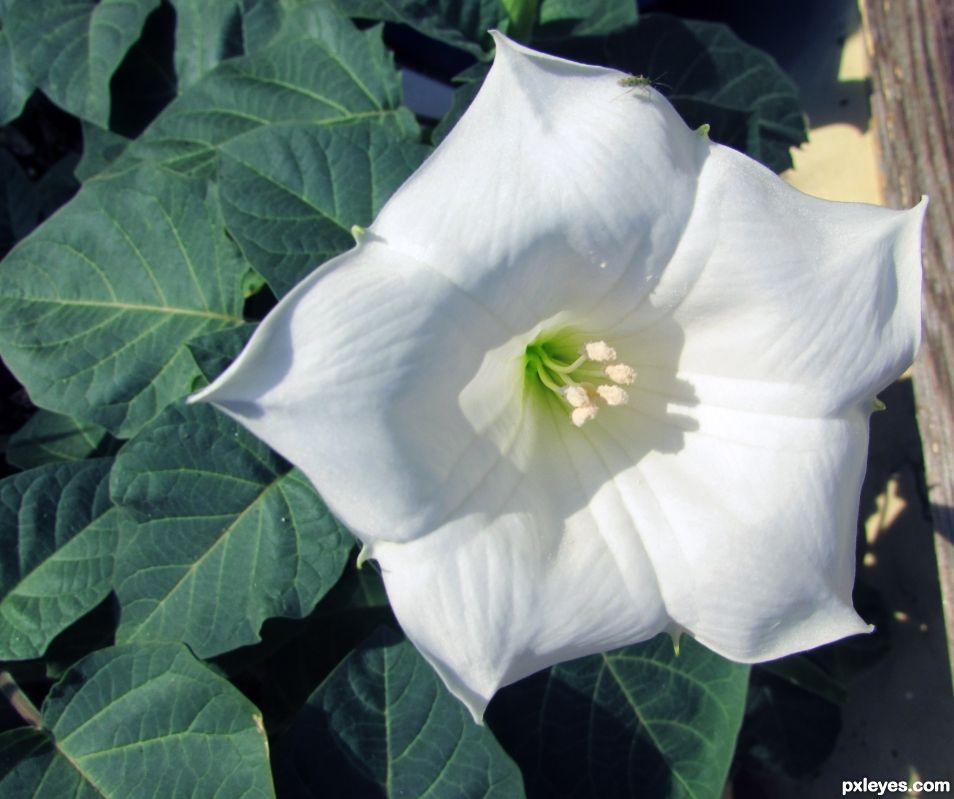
x,y
580,416
612,395
577,396
599,351
620,373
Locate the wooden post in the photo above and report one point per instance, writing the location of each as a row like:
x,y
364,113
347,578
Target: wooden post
x,y
911,45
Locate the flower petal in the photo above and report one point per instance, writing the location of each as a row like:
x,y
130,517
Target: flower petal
x,y
537,567
556,188
758,573
810,305
356,377
721,500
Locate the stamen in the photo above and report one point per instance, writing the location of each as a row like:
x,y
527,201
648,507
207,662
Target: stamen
x,y
612,395
577,396
620,373
580,416
545,379
581,383
599,351
562,368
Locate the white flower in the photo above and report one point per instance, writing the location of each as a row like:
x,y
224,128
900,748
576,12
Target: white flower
x,y
448,384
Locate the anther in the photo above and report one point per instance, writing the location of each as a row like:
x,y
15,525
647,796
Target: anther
x,y
612,395
577,396
599,351
620,373
580,416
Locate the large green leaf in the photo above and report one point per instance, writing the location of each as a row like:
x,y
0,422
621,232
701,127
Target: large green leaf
x,y
335,75
564,18
59,534
15,82
521,17
100,148
292,192
459,23
382,724
227,534
207,32
71,48
712,77
215,351
640,721
51,437
139,722
97,305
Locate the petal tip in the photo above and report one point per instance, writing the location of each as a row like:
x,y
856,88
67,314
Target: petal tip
x,y
199,396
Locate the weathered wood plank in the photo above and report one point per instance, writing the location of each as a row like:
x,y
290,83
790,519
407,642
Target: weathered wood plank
x,y
911,44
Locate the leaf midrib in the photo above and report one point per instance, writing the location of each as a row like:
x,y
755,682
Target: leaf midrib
x,y
194,566
631,701
171,310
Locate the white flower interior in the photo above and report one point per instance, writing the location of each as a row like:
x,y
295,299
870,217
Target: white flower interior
x,y
582,379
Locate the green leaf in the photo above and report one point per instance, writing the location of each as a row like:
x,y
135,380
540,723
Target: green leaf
x,y
71,48
292,192
139,722
460,23
640,721
207,32
382,724
521,14
338,76
100,148
97,305
566,18
60,524
51,437
58,185
711,77
227,534
215,351
15,83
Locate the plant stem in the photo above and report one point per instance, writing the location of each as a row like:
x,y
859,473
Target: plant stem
x,y
20,701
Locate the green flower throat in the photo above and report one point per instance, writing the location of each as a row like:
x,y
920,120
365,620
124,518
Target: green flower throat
x,y
583,377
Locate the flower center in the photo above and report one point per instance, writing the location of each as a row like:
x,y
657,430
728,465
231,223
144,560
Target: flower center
x,y
583,379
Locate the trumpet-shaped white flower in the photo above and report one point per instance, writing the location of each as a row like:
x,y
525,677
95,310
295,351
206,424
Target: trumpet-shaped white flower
x,y
453,385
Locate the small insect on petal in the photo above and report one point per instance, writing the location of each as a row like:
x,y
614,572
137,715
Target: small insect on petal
x,y
638,85
632,81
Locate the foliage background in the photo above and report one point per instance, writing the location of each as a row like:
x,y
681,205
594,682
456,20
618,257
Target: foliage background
x,y
174,598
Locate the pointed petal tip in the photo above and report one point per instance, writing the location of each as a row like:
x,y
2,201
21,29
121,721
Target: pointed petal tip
x,y
198,396
475,702
508,47
826,626
477,713
364,555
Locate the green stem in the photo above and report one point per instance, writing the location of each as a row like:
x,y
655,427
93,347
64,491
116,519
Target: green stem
x,y
545,379
562,368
